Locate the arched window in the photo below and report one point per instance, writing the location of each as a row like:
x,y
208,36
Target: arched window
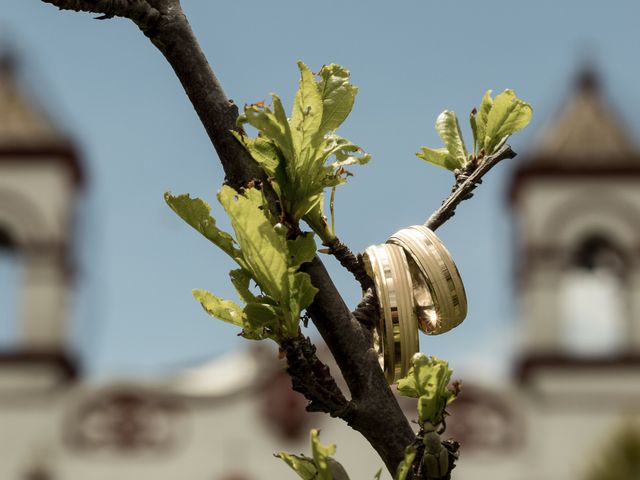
x,y
594,303
10,280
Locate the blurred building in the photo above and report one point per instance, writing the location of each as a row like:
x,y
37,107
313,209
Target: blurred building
x,y
576,204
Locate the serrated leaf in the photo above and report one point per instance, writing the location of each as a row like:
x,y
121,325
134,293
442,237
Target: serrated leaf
x,y
241,279
268,257
302,249
197,213
320,467
302,293
338,96
299,170
483,114
440,157
263,151
225,310
303,466
272,123
254,326
405,464
345,152
508,115
428,380
263,249
306,115
261,320
449,130
321,453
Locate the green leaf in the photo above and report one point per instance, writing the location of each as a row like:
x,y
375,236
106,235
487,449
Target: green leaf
x,y
449,130
508,115
378,475
306,116
302,249
263,151
225,310
318,222
428,381
302,294
197,213
345,152
405,464
338,96
263,249
321,454
294,153
270,259
271,123
261,320
303,466
256,324
321,466
439,157
483,114
241,279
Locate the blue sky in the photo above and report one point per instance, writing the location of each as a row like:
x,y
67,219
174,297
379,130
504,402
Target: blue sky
x,y
108,86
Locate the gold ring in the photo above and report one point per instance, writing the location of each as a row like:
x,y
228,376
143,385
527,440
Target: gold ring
x,y
438,289
396,335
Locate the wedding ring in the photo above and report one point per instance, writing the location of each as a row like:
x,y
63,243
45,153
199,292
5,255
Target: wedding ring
x,y
437,287
406,306
396,336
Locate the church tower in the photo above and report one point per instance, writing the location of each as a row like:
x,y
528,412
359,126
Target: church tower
x,y
40,177
576,200
577,204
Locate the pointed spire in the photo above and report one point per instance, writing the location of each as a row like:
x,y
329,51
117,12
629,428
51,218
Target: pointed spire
x,y
587,79
26,131
22,121
587,131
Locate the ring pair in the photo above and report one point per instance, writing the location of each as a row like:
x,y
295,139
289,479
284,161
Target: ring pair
x,y
418,287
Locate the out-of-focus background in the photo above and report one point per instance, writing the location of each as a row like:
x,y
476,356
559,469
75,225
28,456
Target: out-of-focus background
x,y
110,370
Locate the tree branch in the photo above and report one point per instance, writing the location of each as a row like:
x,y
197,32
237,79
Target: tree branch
x,y
140,11
313,379
462,190
374,410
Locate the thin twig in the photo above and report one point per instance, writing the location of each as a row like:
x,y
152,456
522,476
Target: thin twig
x,y
463,190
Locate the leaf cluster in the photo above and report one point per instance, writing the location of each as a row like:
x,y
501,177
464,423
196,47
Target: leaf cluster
x,y
265,256
321,466
492,124
294,151
428,381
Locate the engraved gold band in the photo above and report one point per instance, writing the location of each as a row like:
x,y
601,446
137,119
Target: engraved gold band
x,y
396,336
438,290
